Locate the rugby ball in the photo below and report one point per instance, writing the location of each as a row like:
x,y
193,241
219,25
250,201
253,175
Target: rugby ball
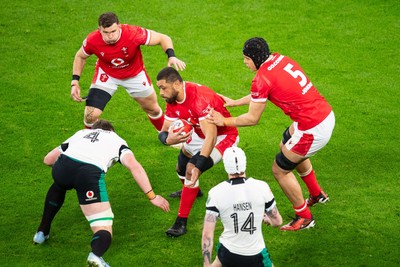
x,y
177,125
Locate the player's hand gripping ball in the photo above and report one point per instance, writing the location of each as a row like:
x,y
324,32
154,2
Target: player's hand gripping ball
x,y
179,124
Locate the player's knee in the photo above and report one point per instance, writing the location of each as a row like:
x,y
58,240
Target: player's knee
x,y
284,163
189,168
104,218
155,113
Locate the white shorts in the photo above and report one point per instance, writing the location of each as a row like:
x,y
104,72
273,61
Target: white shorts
x,y
138,86
195,143
307,143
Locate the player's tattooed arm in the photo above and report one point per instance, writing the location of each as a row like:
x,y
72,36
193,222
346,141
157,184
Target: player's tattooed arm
x,y
273,213
207,239
207,247
273,217
210,218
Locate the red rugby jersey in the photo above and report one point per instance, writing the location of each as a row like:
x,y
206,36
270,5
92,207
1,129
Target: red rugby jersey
x,y
283,82
123,59
198,101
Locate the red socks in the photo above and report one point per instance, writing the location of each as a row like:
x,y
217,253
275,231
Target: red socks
x,y
311,182
157,121
187,199
303,211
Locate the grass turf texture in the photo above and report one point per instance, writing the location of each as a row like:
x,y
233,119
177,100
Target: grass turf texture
x,y
348,49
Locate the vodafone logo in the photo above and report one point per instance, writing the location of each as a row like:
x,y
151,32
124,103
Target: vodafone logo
x,y
117,62
90,196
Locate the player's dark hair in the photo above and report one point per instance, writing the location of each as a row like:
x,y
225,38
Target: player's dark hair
x,y
108,19
169,74
257,49
103,124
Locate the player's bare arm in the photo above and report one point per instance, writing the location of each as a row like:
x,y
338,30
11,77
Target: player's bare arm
x,y
207,238
210,133
141,178
252,117
166,43
51,157
234,103
248,119
77,68
273,217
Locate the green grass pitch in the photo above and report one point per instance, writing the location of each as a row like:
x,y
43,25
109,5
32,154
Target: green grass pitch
x,y
349,49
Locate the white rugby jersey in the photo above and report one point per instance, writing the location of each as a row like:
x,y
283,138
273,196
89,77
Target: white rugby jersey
x,y
241,203
96,146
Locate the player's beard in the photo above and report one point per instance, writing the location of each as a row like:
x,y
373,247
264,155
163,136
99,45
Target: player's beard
x,y
171,99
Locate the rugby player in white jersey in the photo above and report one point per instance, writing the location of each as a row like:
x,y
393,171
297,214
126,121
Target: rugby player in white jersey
x,y
81,163
242,204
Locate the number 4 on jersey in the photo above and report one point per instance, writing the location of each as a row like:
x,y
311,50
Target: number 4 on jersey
x,y
93,136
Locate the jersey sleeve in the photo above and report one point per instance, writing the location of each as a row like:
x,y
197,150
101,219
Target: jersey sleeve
x,y
87,44
259,89
211,204
269,198
148,36
141,36
123,151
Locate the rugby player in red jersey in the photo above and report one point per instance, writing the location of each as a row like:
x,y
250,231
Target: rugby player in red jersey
x,y
120,63
201,149
282,81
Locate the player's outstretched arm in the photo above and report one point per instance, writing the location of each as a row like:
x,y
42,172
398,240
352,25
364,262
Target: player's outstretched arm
x,y
160,202
247,119
167,45
234,103
177,63
141,178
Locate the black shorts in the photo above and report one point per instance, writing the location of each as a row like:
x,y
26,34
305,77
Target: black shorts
x,y
86,179
229,259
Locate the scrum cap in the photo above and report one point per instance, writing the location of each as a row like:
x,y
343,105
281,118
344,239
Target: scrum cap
x,y
234,160
257,49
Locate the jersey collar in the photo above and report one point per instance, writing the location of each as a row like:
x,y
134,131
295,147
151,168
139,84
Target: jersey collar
x,y
235,181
